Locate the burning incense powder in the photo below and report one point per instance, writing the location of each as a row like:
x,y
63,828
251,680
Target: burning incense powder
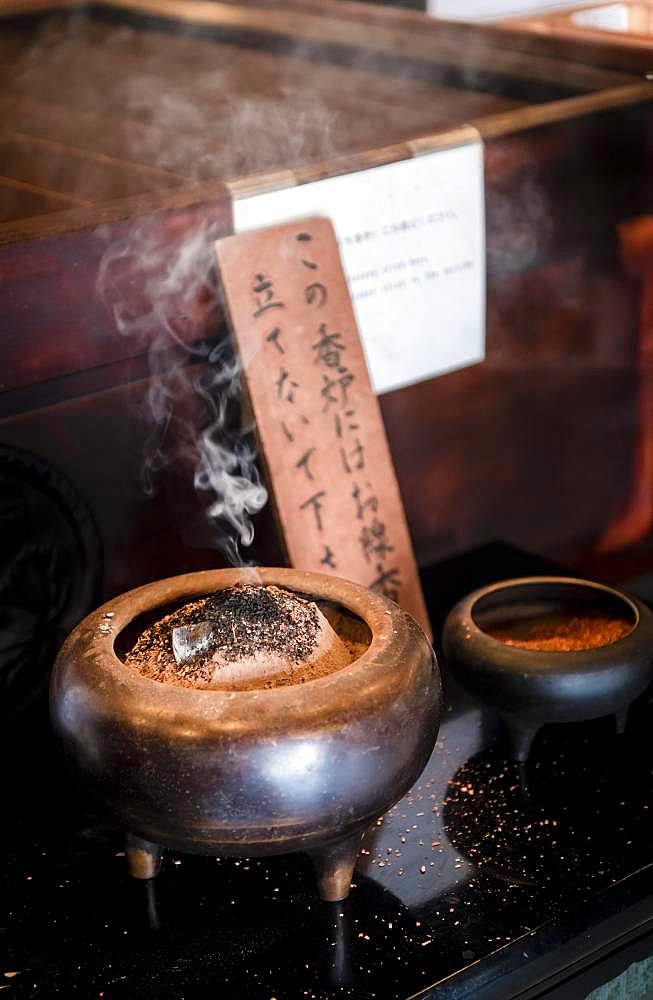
x,y
243,637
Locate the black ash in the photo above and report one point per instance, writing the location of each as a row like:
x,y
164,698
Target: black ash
x,y
237,623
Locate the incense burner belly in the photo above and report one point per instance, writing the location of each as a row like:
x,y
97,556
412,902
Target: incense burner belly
x,y
303,767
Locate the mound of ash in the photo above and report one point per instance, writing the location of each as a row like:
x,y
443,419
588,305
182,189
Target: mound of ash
x,y
240,638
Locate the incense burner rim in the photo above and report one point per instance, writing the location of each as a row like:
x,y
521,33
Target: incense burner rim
x,y
97,634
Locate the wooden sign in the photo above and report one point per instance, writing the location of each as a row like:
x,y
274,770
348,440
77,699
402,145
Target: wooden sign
x,y
319,424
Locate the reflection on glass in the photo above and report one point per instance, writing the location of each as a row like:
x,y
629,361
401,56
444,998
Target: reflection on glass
x,y
618,17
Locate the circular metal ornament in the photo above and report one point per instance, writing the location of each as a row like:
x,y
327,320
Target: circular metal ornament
x,y
50,571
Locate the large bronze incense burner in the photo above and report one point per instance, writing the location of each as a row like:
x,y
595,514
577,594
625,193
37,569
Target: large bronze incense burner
x,y
305,767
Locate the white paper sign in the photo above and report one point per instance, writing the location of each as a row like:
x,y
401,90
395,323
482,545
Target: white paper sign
x,y
412,240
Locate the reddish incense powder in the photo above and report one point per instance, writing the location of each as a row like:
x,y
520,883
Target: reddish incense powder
x,y
563,632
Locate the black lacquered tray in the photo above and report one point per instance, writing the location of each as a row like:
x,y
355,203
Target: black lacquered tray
x,y
486,881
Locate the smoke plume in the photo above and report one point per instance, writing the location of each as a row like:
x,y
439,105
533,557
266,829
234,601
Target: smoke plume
x,y
159,292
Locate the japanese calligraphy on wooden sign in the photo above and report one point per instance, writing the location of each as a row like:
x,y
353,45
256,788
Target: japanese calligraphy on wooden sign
x,y
319,424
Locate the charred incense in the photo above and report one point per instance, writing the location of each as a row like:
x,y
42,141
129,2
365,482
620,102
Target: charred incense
x,y
240,635
246,620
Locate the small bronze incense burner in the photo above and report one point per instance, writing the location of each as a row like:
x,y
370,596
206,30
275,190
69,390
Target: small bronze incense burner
x,y
304,767
550,649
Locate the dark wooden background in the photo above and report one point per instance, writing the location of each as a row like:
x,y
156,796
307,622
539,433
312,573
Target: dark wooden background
x,y
536,446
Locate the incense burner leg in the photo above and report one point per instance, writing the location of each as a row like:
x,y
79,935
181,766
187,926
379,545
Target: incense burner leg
x,y
334,867
520,738
143,857
621,720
